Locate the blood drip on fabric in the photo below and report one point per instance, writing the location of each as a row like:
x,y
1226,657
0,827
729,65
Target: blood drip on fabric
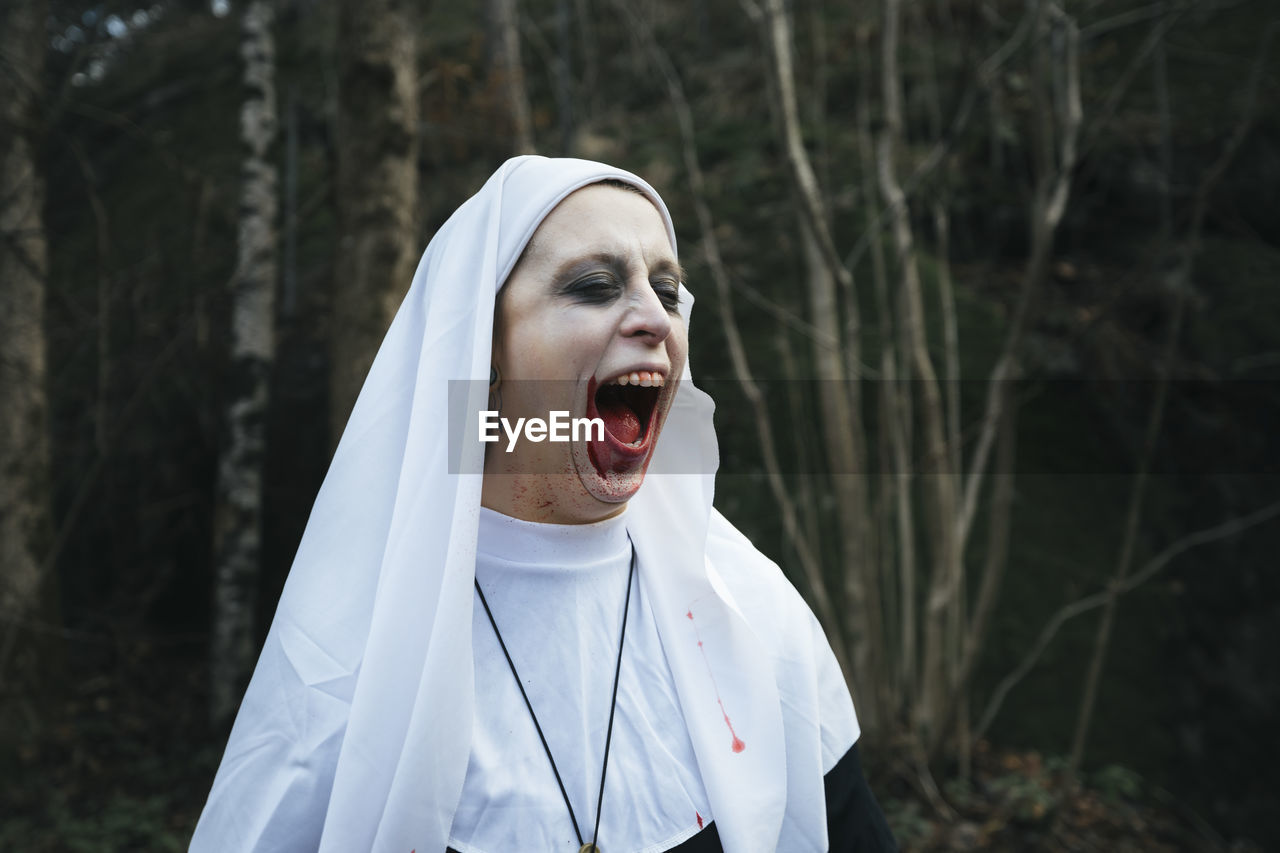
x,y
737,745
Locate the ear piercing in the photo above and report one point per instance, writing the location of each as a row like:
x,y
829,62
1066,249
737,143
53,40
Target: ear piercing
x,y
495,393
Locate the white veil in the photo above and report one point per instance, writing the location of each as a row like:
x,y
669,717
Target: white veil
x,y
354,733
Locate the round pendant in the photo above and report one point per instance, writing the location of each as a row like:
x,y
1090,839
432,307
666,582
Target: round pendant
x,y
589,848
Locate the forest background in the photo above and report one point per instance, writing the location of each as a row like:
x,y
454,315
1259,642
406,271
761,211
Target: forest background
x,y
988,300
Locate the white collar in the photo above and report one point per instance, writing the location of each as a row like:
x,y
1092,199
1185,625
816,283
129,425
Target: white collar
x,y
567,546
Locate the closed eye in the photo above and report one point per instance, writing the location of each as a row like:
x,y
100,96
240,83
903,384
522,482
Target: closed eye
x,y
669,292
595,289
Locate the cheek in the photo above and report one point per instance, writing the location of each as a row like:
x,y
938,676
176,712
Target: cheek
x,y
678,349
575,341
556,348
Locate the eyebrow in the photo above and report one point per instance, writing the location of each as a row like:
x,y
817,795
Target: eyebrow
x,y
579,265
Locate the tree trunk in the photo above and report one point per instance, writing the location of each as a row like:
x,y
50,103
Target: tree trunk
x,y
238,515
940,491
506,72
377,194
24,444
840,401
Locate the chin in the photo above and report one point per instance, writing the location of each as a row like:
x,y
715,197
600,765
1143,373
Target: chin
x,y
611,487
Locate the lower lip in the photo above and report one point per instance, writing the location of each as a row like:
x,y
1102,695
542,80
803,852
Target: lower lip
x,y
610,456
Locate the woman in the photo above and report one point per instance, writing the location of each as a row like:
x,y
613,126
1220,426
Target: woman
x,y
615,664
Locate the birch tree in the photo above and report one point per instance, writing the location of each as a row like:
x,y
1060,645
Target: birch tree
x,y
377,192
24,442
238,520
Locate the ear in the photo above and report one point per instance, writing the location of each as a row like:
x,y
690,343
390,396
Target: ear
x,y
495,350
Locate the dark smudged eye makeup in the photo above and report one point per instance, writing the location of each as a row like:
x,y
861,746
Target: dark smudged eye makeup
x,y
602,288
669,292
594,289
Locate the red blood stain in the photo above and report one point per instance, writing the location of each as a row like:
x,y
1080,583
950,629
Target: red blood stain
x,y
699,820
737,745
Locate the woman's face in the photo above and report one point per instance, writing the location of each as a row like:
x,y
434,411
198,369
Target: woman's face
x,y
588,324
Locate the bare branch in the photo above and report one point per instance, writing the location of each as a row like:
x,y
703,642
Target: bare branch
x,y
1219,167
89,480
982,79
993,570
777,34
1149,570
899,576
1052,189
1146,13
1181,278
1118,90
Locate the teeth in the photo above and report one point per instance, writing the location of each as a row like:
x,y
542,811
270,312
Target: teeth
x,y
642,378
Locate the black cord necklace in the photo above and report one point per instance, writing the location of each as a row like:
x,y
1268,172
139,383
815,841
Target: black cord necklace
x,y
613,704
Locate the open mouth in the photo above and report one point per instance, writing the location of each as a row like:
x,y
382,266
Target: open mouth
x,y
626,405
626,410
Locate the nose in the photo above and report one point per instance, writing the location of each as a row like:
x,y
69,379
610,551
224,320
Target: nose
x,y
646,315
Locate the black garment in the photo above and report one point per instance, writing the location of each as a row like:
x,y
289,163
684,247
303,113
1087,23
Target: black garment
x,y
706,841
855,823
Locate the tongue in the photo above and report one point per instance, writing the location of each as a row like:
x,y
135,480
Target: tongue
x,y
620,420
